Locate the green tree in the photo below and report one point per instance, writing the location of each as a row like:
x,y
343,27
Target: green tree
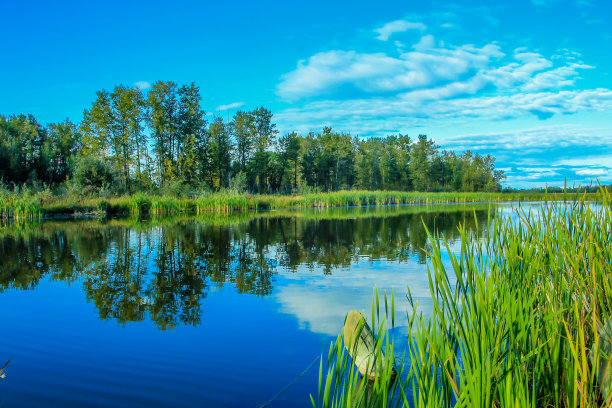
x,y
221,147
112,129
289,153
191,150
422,153
162,118
62,144
243,131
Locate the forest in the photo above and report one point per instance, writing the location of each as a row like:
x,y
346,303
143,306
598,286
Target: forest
x,y
161,140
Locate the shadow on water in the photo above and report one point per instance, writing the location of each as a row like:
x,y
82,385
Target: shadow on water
x,y
163,269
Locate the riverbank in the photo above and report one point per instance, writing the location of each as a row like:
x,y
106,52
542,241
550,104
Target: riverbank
x,y
44,205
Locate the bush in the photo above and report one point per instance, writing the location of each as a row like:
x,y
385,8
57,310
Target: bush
x,y
92,172
238,183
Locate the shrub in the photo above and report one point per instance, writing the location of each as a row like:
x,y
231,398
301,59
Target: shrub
x,y
93,172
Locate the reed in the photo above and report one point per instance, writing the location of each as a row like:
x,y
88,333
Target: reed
x,y
19,204
515,320
26,204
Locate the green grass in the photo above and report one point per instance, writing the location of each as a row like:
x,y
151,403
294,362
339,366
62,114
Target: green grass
x,y
513,322
21,204
27,205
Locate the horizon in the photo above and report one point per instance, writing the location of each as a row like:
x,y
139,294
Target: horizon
x,y
526,83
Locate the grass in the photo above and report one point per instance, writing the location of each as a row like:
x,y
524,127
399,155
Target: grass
x,y
516,320
27,205
21,204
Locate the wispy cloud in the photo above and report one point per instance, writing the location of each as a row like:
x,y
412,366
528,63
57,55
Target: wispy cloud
x,y
592,172
539,155
436,84
142,84
440,82
229,106
397,26
330,71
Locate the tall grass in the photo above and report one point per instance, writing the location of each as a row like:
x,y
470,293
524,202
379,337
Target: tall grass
x,y
19,204
515,321
26,204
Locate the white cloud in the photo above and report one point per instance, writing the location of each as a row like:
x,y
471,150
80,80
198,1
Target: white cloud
x,y
436,85
397,26
602,160
437,70
451,103
545,154
229,106
434,82
142,84
325,72
592,172
426,42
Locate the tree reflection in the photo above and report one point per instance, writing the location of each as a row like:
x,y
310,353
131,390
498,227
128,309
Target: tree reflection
x,y
134,270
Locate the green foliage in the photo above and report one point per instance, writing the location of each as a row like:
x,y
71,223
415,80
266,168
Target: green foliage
x,y
161,136
91,171
238,183
24,203
514,322
603,368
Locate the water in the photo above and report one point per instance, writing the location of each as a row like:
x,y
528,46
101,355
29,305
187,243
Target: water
x,y
204,311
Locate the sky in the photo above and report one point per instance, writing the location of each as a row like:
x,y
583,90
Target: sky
x,y
527,81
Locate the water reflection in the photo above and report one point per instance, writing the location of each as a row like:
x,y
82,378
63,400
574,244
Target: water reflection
x,y
163,269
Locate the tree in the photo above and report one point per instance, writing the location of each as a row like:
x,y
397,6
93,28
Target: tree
x,y
62,144
22,140
127,138
289,153
162,118
97,127
422,153
112,129
220,147
191,144
243,131
265,134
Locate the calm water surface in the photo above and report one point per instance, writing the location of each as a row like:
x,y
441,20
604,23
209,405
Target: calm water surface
x,y
207,311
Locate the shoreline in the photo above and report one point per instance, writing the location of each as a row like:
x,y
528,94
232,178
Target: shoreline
x,y
19,207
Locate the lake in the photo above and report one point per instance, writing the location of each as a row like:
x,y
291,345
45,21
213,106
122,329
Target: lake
x,y
201,311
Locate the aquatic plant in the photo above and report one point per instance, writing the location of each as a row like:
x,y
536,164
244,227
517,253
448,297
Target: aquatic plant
x,y
21,204
515,321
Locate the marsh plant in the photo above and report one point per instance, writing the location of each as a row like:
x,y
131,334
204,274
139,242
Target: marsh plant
x,y
25,203
516,320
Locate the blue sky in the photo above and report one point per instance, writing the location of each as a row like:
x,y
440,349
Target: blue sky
x,y
527,81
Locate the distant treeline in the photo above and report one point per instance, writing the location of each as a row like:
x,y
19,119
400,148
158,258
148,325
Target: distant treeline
x,y
132,140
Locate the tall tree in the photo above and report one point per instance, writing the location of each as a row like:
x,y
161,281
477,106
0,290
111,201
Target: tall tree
x,y
243,131
422,153
127,136
265,135
289,153
62,144
162,117
221,147
97,127
191,142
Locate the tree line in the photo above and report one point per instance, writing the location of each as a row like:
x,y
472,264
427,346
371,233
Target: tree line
x,y
133,140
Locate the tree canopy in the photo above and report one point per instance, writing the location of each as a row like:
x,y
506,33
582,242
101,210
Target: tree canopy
x,y
133,140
